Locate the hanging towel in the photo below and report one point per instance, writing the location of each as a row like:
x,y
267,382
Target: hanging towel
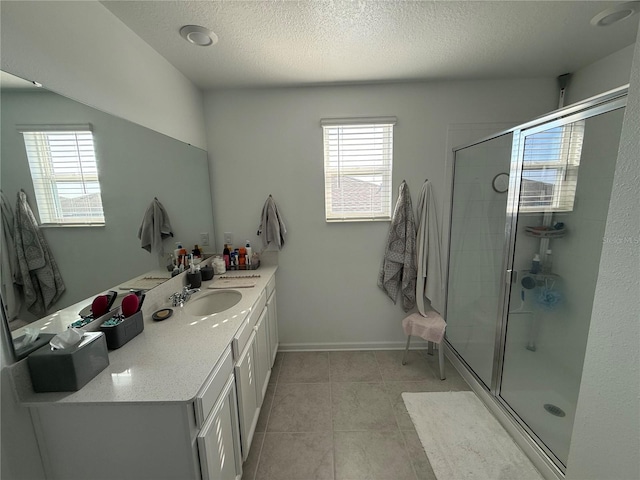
x,y
272,227
429,283
154,228
9,270
39,276
399,262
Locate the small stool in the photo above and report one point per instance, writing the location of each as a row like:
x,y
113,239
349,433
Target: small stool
x,y
431,328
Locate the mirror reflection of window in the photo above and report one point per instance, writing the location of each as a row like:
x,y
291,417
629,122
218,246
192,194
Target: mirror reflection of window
x,y
550,169
65,176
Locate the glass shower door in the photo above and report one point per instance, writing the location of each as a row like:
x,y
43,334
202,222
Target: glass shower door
x,y
477,251
565,174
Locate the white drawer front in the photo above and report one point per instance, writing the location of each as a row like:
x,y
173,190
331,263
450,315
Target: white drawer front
x,y
271,286
206,398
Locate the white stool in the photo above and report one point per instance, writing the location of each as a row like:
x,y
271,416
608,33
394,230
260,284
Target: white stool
x,y
430,328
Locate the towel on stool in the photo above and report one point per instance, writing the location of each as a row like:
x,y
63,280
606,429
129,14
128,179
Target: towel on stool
x,y
429,327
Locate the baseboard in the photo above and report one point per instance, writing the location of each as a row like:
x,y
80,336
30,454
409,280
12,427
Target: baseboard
x,y
320,347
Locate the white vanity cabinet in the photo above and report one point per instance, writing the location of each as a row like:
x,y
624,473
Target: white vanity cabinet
x,y
147,440
152,414
272,317
219,439
249,351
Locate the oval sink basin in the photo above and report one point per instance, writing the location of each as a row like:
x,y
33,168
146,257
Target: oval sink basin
x,y
212,302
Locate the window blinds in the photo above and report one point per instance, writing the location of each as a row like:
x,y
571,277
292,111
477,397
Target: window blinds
x,y
550,169
358,161
65,174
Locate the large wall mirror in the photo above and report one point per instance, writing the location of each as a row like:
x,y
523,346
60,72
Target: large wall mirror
x,y
135,164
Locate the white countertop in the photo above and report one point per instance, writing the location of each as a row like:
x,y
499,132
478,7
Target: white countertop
x,y
168,362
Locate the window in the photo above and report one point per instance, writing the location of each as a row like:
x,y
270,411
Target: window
x,y
358,158
63,168
550,169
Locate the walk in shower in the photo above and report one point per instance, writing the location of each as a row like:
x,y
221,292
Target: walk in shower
x,y
528,215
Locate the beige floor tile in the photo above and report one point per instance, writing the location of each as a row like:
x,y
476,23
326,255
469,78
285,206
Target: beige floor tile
x,y
301,407
304,367
453,381
395,389
390,362
361,406
418,457
250,465
354,367
372,456
296,456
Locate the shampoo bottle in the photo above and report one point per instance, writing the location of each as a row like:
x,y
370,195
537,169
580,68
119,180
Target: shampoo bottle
x,y
535,264
226,255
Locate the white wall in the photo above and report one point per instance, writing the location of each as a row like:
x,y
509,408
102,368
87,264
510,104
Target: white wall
x,y
607,73
269,141
81,50
606,436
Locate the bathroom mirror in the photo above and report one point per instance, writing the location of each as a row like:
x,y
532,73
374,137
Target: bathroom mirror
x,y
135,164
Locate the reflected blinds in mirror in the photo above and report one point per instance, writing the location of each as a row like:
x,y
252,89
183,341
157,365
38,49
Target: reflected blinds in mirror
x,y
65,175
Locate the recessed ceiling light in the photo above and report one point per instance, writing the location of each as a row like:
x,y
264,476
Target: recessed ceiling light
x,y
615,14
198,35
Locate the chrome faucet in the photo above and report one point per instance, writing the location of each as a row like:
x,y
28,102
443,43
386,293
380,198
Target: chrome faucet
x,y
178,299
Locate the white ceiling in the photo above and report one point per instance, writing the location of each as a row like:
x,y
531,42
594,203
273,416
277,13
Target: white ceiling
x,y
285,43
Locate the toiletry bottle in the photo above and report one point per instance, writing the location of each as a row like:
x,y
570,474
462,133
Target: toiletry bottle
x,y
242,255
249,251
226,255
535,264
176,252
548,262
196,251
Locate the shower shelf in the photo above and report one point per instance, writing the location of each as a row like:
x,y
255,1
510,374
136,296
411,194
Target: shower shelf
x,y
545,232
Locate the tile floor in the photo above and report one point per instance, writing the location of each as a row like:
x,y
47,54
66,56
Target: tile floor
x,y
340,416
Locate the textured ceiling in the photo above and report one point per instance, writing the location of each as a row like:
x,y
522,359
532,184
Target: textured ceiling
x,y
285,43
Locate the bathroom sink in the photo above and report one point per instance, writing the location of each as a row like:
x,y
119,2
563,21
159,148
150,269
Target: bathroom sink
x,y
212,302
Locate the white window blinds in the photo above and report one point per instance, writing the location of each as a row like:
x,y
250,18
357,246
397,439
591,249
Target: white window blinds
x,y
358,160
550,169
64,171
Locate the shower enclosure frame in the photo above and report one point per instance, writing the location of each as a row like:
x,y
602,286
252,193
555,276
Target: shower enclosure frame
x,y
608,101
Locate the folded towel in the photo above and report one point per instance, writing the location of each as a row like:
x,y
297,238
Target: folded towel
x,y
40,278
429,283
154,228
430,327
399,262
9,268
272,228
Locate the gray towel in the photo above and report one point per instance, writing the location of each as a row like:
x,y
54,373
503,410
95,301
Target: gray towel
x,y
154,228
398,269
430,283
9,269
272,229
39,276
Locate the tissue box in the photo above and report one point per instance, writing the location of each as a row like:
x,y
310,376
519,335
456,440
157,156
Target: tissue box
x,y
120,334
68,370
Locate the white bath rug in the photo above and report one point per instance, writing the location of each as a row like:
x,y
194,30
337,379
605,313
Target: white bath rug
x,y
463,440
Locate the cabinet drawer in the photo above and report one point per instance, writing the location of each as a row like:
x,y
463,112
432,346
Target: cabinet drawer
x,y
244,332
271,286
206,398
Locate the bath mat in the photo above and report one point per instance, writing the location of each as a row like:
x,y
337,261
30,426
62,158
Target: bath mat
x,y
463,440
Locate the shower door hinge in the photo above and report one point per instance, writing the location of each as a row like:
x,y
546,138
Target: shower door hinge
x,y
509,277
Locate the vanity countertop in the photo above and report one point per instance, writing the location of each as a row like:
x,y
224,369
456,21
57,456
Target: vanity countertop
x,y
168,362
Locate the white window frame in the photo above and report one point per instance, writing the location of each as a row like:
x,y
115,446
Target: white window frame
x,y
381,167
38,145
566,167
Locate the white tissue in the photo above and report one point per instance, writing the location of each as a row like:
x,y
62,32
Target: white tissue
x,y
30,335
67,339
